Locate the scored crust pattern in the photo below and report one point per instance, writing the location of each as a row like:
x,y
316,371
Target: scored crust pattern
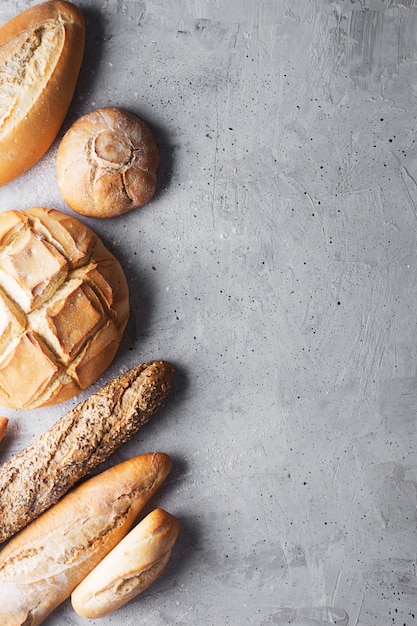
x,y
26,63
107,163
64,305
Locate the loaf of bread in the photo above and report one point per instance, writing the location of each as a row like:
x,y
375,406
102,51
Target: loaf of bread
x,y
106,163
34,479
41,51
130,568
64,304
40,567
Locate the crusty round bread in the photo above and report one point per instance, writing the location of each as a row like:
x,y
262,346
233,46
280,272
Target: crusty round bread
x,y
106,163
41,51
64,305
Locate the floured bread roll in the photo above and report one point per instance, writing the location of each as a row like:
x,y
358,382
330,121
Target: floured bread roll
x,y
106,163
64,305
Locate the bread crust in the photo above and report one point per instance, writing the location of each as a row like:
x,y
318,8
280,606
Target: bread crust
x,y
41,566
106,163
34,479
130,568
64,305
4,421
37,100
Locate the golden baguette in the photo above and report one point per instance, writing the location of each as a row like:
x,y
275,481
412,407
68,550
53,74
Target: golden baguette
x,y
41,51
35,478
40,567
130,568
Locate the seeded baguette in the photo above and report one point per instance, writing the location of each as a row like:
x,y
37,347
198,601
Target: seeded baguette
x,y
41,566
34,479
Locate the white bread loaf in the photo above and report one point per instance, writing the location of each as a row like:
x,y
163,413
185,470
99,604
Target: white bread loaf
x,y
40,567
41,51
130,568
64,304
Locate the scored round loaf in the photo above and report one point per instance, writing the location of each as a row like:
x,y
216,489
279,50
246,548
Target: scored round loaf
x,y
64,304
106,163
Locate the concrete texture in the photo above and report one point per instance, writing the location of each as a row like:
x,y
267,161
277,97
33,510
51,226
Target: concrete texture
x,y
276,267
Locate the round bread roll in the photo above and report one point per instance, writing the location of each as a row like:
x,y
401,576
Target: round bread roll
x,y
64,305
106,163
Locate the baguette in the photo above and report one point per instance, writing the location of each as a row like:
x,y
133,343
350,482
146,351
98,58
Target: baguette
x,y
40,567
130,568
41,51
35,478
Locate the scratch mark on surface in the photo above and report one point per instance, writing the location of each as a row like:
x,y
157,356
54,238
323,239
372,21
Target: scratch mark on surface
x,y
282,508
264,208
336,586
359,609
404,490
215,166
352,504
285,558
335,473
403,170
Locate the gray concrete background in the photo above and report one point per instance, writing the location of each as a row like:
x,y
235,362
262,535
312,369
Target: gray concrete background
x,y
276,268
